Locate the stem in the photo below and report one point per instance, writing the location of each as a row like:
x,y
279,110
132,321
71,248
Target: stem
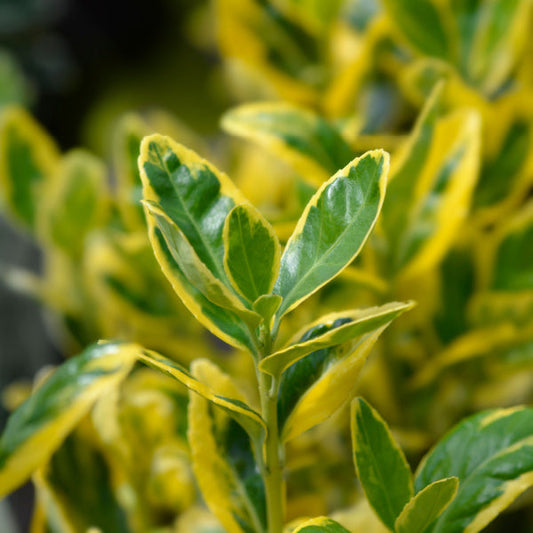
x,y
273,452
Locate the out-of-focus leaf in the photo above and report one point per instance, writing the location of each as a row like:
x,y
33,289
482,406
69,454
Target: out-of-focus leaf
x,y
72,506
39,426
431,185
332,229
492,455
77,202
420,25
223,458
28,160
258,35
14,87
381,465
305,140
331,330
420,512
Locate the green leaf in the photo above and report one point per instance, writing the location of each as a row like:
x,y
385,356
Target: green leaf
x,y
431,187
235,407
266,306
273,50
78,201
420,25
381,465
332,330
332,229
223,458
28,159
195,271
320,525
318,385
197,198
426,506
127,139
39,426
73,506
305,140
252,252
14,87
512,256
492,455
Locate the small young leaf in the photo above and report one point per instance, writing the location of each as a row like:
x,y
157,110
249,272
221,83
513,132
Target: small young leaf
x,y
234,406
266,306
320,525
332,229
252,252
39,426
381,465
28,159
426,506
305,140
492,455
331,330
223,458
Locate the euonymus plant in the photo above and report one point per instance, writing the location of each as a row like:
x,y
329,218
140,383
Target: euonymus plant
x,y
225,262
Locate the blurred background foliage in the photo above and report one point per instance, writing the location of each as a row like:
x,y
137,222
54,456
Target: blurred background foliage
x,y
353,75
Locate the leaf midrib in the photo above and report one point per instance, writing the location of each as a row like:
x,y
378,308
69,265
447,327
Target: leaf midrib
x,y
334,244
183,205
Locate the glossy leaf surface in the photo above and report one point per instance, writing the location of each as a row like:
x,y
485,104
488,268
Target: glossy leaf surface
x,y
197,198
252,252
332,228
426,506
306,141
331,330
38,427
320,525
381,465
492,455
315,387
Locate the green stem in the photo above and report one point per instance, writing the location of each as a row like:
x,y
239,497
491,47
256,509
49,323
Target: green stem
x,y
273,454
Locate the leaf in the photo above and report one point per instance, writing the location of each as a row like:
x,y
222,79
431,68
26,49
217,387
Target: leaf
x,y
77,202
223,459
426,506
233,406
332,229
500,37
381,465
281,54
331,330
318,385
492,455
77,506
266,306
39,426
127,139
432,183
320,525
197,198
195,271
420,25
306,141
28,159
252,252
